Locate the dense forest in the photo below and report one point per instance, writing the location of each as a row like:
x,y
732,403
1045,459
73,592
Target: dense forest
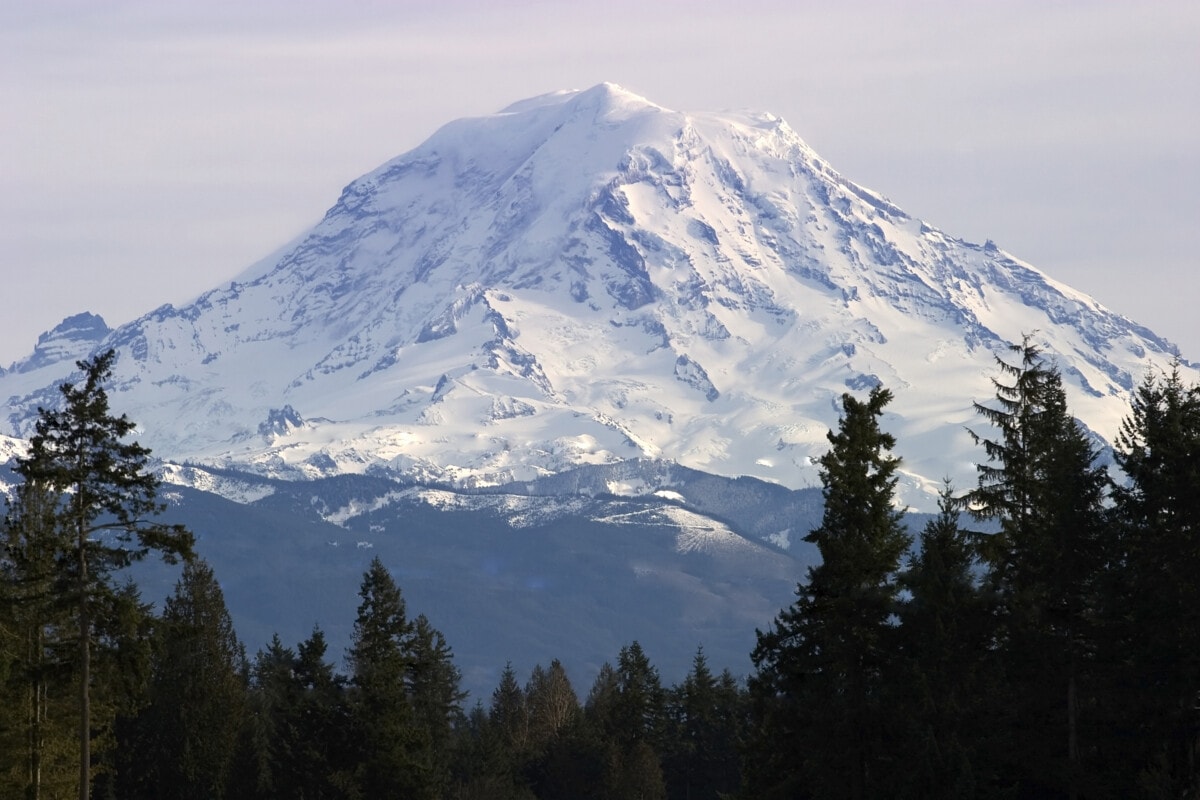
x,y
1039,638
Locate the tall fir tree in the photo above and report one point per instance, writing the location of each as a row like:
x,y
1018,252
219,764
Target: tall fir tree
x,y
506,741
295,739
611,751
320,723
393,750
1044,487
705,713
641,709
509,715
1154,599
820,669
264,764
625,716
641,722
197,691
36,644
946,675
483,768
102,524
433,689
122,668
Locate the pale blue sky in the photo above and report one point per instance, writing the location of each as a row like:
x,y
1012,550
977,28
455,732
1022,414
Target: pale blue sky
x,y
150,150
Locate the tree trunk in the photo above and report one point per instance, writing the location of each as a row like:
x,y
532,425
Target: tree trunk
x,y
1072,738
85,710
37,712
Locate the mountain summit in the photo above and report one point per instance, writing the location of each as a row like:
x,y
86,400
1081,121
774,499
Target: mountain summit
x,y
586,277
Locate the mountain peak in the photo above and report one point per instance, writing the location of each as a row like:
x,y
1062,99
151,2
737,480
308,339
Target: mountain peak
x,y
68,341
604,97
586,278
610,99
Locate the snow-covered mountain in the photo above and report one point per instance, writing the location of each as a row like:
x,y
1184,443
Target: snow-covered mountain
x,y
586,278
72,339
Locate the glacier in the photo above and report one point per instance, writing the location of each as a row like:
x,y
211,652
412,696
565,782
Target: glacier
x,y
587,278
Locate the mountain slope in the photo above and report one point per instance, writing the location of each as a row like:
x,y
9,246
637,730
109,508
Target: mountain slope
x,y
525,576
584,278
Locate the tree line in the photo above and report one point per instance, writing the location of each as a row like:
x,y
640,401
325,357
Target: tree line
x,y
1051,654
1038,638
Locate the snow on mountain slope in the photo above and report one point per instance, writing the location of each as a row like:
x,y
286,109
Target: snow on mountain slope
x,y
587,277
73,338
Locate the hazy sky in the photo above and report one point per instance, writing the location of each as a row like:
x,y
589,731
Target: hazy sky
x,y
151,150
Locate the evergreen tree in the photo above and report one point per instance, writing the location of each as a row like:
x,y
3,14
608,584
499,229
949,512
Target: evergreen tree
x,y
483,768
264,764
320,723
640,714
625,717
733,715
578,763
392,759
1154,598
1043,486
706,722
641,720
603,699
78,455
433,689
820,669
604,752
505,734
509,715
294,743
36,643
122,668
197,692
946,676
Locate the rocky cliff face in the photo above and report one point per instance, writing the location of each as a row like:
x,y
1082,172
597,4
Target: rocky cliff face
x,y
72,339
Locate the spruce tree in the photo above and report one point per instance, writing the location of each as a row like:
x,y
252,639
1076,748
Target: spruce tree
x,y
197,692
631,719
641,708
36,644
393,750
264,765
506,734
1043,485
483,769
1153,602
578,761
320,722
433,689
702,760
820,669
603,698
509,715
102,524
295,742
946,674
122,669
612,752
